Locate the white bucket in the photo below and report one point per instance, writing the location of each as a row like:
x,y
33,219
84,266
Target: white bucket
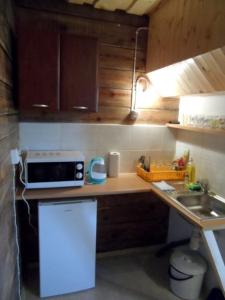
x,y
186,272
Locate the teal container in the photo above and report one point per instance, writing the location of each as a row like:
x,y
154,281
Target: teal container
x,y
97,170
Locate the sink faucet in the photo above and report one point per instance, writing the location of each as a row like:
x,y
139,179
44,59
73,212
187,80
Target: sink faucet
x,y
205,185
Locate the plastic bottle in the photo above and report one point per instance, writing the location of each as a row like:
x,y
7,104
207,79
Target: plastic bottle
x,y
186,156
191,170
186,178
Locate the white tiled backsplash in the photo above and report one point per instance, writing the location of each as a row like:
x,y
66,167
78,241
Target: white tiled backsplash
x,y
207,150
99,139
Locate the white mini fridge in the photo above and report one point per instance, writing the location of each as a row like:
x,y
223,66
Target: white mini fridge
x,y
67,246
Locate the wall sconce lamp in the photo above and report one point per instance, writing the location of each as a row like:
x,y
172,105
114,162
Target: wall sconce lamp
x,y
142,84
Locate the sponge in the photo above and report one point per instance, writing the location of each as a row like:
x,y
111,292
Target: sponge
x,y
194,186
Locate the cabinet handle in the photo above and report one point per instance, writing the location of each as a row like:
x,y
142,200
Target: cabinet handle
x,y
41,105
80,107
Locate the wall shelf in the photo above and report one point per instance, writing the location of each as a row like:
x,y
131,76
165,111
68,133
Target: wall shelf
x,y
197,129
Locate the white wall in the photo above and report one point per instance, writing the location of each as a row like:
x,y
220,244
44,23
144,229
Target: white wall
x,y
208,152
99,139
210,105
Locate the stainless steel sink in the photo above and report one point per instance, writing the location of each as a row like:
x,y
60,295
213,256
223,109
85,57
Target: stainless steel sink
x,y
203,205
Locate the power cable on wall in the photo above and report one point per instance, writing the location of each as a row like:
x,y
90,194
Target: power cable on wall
x,y
17,159
16,233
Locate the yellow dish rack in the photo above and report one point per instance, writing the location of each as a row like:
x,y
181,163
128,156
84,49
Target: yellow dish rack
x,y
158,174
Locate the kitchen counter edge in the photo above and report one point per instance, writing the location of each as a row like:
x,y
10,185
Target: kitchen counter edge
x,y
124,184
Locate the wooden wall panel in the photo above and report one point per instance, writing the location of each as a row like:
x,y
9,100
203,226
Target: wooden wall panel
x,y
114,97
5,37
8,283
6,98
106,115
8,140
180,29
121,58
117,79
5,71
169,104
204,73
8,125
116,62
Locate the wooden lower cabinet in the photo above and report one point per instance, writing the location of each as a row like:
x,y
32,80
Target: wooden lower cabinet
x,y
123,221
131,220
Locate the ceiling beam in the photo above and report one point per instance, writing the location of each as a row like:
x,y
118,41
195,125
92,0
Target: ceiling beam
x,y
141,7
131,5
85,11
113,5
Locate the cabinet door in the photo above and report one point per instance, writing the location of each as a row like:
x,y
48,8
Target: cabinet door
x,y
38,69
131,220
79,73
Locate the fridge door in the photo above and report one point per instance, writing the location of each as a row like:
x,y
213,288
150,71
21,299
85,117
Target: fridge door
x,y
67,246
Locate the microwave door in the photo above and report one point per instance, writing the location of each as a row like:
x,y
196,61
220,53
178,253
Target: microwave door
x,y
50,172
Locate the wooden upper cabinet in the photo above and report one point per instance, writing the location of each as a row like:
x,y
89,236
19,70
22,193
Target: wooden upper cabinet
x,y
181,29
38,69
78,73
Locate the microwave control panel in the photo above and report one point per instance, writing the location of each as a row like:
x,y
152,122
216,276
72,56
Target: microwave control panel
x,y
79,170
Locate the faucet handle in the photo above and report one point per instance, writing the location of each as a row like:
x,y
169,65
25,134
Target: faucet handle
x,y
204,184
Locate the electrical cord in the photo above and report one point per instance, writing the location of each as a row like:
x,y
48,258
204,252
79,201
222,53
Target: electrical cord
x,y
23,196
16,233
15,220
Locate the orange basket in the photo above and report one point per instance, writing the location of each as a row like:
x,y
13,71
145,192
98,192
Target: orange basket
x,y
158,175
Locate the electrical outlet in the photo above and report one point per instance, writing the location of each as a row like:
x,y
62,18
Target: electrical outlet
x,y
15,156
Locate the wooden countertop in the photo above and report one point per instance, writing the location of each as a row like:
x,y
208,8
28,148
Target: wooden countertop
x,y
124,184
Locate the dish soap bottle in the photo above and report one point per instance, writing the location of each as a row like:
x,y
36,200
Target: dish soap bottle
x,y
191,170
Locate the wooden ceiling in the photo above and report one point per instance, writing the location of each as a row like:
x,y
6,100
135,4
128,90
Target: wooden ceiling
x,y
136,7
204,73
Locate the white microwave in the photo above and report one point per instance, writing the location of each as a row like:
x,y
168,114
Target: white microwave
x,y
50,169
